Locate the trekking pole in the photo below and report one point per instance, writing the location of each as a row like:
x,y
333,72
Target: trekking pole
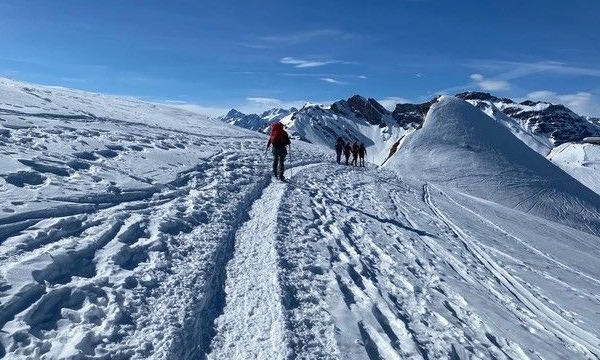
x,y
266,161
291,166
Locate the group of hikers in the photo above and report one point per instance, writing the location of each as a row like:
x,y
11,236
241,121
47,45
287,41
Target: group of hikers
x,y
358,152
280,140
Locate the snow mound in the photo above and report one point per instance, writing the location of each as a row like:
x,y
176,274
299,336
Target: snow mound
x,y
462,147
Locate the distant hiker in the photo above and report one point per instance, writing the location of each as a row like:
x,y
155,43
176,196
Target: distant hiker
x,y
347,149
339,147
362,151
355,148
279,139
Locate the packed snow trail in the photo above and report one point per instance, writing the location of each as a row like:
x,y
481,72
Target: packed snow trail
x,y
252,324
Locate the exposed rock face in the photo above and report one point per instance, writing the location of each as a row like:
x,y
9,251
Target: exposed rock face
x,y
368,109
411,115
556,122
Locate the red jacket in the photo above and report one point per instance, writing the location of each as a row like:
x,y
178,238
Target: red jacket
x,y
279,138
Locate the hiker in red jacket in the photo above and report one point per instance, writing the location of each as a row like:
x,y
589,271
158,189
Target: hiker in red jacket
x,y
279,139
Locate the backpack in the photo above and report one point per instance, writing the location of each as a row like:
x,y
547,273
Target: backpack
x,y
279,138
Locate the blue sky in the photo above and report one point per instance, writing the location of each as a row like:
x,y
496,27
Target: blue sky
x,y
252,55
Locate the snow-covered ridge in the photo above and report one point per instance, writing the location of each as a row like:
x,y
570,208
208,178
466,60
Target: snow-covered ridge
x,y
460,146
545,122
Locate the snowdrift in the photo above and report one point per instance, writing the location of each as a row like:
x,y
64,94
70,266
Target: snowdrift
x,y
462,147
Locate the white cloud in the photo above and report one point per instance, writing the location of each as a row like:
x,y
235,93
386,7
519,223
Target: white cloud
x,y
302,63
265,101
362,76
390,102
306,36
583,103
210,111
489,85
514,70
332,81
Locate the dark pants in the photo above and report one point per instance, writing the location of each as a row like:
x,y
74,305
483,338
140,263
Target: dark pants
x,y
354,158
278,161
362,159
347,156
338,155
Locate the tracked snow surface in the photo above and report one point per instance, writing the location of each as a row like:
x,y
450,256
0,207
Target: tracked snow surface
x,y
137,231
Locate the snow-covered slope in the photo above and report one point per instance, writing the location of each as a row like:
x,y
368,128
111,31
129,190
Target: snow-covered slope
x,y
113,213
143,232
582,161
460,146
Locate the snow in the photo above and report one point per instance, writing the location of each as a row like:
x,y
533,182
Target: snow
x,y
462,147
135,231
541,144
582,161
318,125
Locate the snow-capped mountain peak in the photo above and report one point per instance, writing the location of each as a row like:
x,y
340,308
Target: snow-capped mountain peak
x,y
555,124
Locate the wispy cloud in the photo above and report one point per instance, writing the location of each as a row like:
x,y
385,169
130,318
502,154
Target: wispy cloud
x,y
362,76
211,111
513,70
583,103
307,36
301,63
322,75
266,101
390,102
296,38
490,84
309,63
333,81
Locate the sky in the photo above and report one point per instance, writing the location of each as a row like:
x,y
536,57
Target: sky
x,y
212,56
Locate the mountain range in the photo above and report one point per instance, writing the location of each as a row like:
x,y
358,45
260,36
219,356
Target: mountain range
x,y
541,125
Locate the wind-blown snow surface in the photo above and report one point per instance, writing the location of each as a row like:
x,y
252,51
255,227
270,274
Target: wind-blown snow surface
x,y
177,244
